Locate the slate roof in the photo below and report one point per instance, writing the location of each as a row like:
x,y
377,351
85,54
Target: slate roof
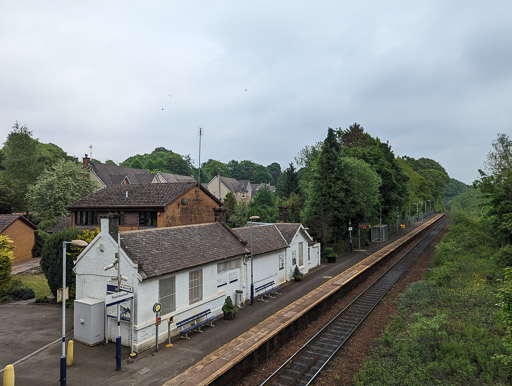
x,y
255,187
169,177
266,238
289,230
236,186
8,219
155,196
164,250
62,223
113,175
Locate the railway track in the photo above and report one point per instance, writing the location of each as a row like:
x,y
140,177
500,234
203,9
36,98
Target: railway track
x,y
307,363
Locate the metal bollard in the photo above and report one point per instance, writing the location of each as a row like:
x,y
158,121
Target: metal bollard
x,y
9,375
69,358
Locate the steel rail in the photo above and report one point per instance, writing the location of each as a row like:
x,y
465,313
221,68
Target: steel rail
x,y
309,360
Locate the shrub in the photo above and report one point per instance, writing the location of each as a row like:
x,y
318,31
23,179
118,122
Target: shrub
x,y
504,256
42,299
51,258
6,259
23,293
39,238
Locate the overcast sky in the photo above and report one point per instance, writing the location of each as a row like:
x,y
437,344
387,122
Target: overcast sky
x,y
263,78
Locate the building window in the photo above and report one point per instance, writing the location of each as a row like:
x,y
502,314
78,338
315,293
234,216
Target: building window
x,y
301,253
167,294
86,218
195,286
147,219
228,266
281,261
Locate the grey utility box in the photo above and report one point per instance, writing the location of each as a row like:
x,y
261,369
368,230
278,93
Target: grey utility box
x,y
89,321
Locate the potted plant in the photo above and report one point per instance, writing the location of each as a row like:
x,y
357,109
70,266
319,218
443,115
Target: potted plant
x,y
297,274
331,255
229,309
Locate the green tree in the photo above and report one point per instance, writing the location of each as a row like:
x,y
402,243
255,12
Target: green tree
x,y
275,170
324,203
496,186
20,163
288,182
240,215
230,203
361,145
58,187
51,258
6,259
211,168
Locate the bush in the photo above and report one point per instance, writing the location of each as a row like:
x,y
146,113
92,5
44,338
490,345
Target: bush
x,y
504,256
51,258
39,239
23,293
42,299
6,259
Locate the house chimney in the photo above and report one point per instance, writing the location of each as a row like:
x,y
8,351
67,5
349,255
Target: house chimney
x,y
113,224
220,215
283,213
86,160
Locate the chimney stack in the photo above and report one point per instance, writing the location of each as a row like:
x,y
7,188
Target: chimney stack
x,y
113,224
283,213
86,160
220,215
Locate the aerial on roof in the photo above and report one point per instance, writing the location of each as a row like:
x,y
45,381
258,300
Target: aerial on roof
x,y
165,250
266,238
136,196
8,219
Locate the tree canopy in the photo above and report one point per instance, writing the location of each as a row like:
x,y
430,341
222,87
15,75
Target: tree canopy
x,y
57,187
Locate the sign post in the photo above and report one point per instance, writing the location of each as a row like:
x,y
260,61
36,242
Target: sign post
x,y
156,309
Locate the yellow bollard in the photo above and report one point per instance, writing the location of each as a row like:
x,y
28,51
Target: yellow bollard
x,y
9,375
69,357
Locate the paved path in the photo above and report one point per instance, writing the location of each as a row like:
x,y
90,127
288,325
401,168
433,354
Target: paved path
x,y
25,265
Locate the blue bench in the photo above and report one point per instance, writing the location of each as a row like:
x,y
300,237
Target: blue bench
x,y
195,322
267,290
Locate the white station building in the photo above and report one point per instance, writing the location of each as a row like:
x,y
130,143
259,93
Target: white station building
x,y
187,269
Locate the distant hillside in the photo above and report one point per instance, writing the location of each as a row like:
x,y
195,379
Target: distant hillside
x,y
454,188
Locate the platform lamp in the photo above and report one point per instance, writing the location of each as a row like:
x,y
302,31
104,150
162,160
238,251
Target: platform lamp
x,y
252,218
74,243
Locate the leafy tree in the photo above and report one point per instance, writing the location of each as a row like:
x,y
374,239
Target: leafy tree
x,y
230,203
20,163
210,168
496,187
48,154
110,162
240,215
6,259
275,170
58,187
51,258
454,188
358,144
161,160
324,203
288,182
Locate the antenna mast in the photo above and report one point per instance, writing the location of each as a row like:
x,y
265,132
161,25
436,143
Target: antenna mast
x,y
90,147
199,172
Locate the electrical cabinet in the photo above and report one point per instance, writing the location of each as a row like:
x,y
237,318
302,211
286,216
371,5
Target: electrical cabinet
x,y
89,321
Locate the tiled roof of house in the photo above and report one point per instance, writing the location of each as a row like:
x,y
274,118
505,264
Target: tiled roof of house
x,y
62,223
113,174
165,250
289,230
236,186
8,219
169,177
135,196
255,187
266,238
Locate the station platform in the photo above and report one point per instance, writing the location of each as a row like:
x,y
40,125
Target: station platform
x,y
96,365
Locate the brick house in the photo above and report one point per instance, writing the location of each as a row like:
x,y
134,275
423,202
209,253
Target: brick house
x,y
148,205
21,232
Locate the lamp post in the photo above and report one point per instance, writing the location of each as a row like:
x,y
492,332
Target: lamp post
x,y
74,243
252,218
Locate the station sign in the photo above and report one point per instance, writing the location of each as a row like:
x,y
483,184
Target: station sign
x,y
116,298
113,288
